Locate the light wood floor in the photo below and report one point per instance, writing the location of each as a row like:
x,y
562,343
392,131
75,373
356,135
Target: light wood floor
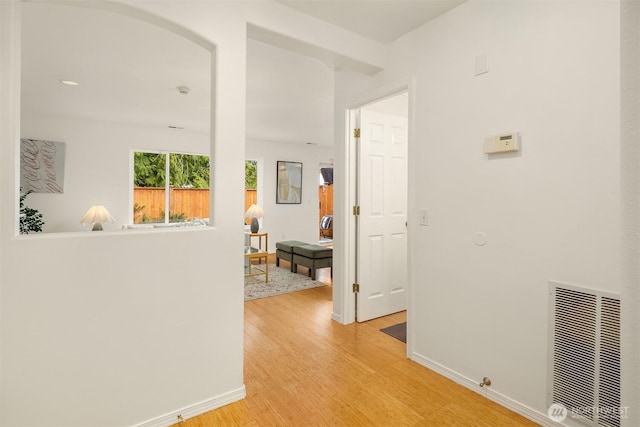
x,y
303,369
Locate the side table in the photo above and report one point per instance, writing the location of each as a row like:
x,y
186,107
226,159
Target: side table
x,y
250,254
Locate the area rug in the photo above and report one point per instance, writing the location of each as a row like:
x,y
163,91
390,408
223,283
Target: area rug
x,y
398,331
281,281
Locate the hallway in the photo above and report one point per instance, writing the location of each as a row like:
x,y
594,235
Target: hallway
x,y
301,368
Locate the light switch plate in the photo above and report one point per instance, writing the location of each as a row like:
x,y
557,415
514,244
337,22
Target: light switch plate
x,y
423,215
481,64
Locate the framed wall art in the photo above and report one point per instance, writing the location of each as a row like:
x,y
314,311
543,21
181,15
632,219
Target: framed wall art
x,y
289,182
41,166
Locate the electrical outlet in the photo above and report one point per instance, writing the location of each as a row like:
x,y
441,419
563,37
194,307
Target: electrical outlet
x,y
423,217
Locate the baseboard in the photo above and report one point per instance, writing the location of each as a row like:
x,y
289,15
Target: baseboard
x,y
337,318
492,395
196,409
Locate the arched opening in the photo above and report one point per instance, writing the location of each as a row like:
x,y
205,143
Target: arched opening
x,y
99,84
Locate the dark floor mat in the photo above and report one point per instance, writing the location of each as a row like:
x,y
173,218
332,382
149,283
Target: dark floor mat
x,y
398,331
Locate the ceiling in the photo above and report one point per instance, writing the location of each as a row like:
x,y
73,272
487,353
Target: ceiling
x,y
289,96
129,71
380,20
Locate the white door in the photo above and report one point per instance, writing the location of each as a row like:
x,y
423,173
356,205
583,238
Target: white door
x,y
382,230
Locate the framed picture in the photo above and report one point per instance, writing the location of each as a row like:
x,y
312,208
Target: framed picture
x,y
289,182
41,166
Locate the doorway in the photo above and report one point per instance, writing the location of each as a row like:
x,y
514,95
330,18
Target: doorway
x,y
379,186
325,204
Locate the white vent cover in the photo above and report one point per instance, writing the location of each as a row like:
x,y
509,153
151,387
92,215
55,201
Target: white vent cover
x,y
585,354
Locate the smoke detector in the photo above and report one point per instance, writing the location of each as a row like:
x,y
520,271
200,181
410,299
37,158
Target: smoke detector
x,y
183,90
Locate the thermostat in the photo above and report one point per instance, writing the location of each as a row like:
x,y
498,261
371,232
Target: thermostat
x,y
505,143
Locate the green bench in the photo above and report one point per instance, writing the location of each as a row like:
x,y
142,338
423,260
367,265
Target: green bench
x,y
284,250
313,257
300,253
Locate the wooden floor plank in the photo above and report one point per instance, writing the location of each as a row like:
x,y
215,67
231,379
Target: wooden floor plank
x,y
303,369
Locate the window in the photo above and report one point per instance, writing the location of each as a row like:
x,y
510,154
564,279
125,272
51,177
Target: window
x,y
184,196
250,185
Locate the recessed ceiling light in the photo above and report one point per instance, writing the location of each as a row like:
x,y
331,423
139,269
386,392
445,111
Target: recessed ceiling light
x,y
69,82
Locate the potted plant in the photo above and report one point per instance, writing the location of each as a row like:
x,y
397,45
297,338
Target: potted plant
x,y
30,219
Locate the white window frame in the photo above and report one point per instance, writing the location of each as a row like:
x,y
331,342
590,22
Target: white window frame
x,y
167,182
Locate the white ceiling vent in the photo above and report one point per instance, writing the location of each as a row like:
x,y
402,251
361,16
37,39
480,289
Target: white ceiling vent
x,y
585,354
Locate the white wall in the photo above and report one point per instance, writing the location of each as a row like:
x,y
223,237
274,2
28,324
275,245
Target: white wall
x,y
116,328
98,165
284,221
119,328
552,212
289,96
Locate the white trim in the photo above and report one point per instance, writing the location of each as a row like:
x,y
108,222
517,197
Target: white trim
x,y
382,92
336,317
490,394
10,90
413,164
195,409
116,6
630,186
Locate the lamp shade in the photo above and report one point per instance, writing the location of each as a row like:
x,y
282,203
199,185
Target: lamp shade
x,y
254,211
97,215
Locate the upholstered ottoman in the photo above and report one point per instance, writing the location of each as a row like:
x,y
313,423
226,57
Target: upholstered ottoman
x,y
312,257
284,250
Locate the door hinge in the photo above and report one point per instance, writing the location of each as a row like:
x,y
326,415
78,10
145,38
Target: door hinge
x,y
356,210
356,133
356,288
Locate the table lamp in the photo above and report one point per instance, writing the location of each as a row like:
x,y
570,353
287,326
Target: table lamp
x,y
97,215
254,212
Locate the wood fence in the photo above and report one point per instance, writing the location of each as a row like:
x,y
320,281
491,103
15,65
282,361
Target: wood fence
x,y
250,198
184,203
187,203
190,203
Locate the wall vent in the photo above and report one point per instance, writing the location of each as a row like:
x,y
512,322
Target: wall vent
x,y
585,354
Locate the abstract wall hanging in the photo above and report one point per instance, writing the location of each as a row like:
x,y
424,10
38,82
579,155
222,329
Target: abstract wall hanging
x,y
41,166
289,183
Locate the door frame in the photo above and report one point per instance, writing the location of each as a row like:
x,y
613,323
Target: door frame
x,y
343,285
